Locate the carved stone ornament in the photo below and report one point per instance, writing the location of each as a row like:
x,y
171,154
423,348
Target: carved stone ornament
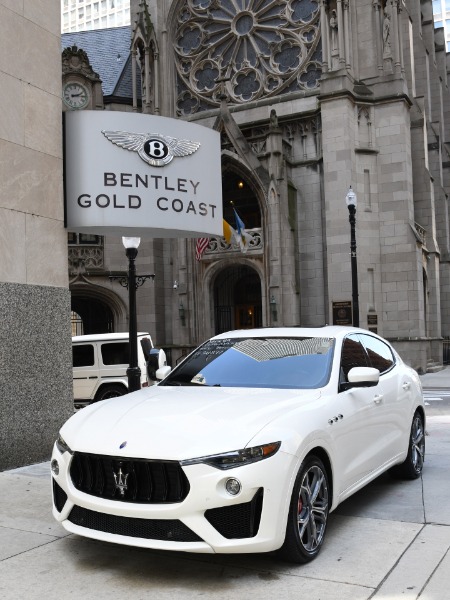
x,y
75,60
258,48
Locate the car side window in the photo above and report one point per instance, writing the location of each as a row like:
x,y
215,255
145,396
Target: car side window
x,y
83,355
380,355
353,355
115,353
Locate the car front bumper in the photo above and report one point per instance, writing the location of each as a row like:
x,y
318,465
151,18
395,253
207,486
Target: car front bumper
x,y
208,520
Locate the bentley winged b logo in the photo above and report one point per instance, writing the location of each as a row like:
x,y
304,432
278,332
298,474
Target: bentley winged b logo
x,y
155,149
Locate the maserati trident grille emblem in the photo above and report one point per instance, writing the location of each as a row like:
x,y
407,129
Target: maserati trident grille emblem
x,y
155,149
120,479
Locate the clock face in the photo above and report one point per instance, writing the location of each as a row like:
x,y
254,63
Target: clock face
x,y
75,95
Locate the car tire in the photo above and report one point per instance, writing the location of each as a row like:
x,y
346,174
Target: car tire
x,y
413,465
110,391
308,513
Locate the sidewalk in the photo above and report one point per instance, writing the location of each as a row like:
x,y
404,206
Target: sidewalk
x,y
389,541
438,380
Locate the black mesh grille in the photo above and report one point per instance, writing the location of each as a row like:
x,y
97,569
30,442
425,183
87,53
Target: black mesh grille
x,y
129,480
237,521
59,496
150,529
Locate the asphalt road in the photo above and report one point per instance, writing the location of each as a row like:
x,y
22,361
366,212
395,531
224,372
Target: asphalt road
x,y
437,401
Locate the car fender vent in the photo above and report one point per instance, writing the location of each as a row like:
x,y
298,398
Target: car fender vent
x,y
59,496
238,520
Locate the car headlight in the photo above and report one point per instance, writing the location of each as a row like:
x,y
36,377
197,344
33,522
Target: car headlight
x,y
236,458
62,446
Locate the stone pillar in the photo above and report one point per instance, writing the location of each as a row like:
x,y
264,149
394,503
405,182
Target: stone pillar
x,y
378,36
147,108
396,38
347,34
133,79
156,83
340,25
324,36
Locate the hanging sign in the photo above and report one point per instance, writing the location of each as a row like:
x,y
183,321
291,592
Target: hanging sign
x,y
141,175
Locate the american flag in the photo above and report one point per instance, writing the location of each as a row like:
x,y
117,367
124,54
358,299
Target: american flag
x,y
200,247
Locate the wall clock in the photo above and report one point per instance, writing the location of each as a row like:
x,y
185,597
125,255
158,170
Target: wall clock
x,y
75,95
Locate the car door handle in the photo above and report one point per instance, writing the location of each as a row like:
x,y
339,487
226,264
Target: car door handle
x,y
406,386
377,399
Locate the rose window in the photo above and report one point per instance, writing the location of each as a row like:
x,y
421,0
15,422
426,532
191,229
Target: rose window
x,y
245,50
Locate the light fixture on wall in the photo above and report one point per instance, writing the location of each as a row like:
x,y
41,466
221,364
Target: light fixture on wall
x,y
351,201
182,313
273,308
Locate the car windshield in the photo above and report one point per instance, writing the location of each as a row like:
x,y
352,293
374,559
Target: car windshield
x,y
265,362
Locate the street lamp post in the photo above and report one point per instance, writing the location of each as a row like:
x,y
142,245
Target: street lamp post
x,y
351,204
132,282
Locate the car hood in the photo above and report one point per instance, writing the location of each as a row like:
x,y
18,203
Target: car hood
x,y
176,423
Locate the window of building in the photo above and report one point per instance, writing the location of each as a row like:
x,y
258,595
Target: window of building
x,y
84,239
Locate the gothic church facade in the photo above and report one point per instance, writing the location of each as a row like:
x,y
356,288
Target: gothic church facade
x,y
310,97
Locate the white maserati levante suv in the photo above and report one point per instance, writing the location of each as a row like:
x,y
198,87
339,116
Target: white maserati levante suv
x,y
246,446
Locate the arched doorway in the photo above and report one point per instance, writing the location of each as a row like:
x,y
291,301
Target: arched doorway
x,y
237,299
96,316
238,194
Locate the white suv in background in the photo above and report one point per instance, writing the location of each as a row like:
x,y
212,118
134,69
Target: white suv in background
x,y
100,363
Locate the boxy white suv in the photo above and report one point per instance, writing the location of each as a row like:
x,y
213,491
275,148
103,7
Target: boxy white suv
x,y
100,363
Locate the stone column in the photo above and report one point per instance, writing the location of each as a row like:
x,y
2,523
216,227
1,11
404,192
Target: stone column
x,y
147,108
340,23
156,80
378,36
324,36
133,79
347,36
395,37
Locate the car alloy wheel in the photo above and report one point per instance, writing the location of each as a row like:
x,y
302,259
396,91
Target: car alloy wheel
x,y
417,444
308,513
413,465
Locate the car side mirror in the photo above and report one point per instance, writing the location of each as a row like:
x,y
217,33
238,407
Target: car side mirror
x,y
162,372
361,377
155,360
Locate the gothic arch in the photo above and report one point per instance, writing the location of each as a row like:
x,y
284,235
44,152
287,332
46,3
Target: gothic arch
x,y
95,299
212,276
232,163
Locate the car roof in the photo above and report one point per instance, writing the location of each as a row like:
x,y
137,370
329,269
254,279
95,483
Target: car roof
x,y
328,331
105,337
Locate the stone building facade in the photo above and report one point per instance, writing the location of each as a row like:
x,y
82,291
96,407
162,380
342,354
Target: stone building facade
x,y
310,97
35,346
